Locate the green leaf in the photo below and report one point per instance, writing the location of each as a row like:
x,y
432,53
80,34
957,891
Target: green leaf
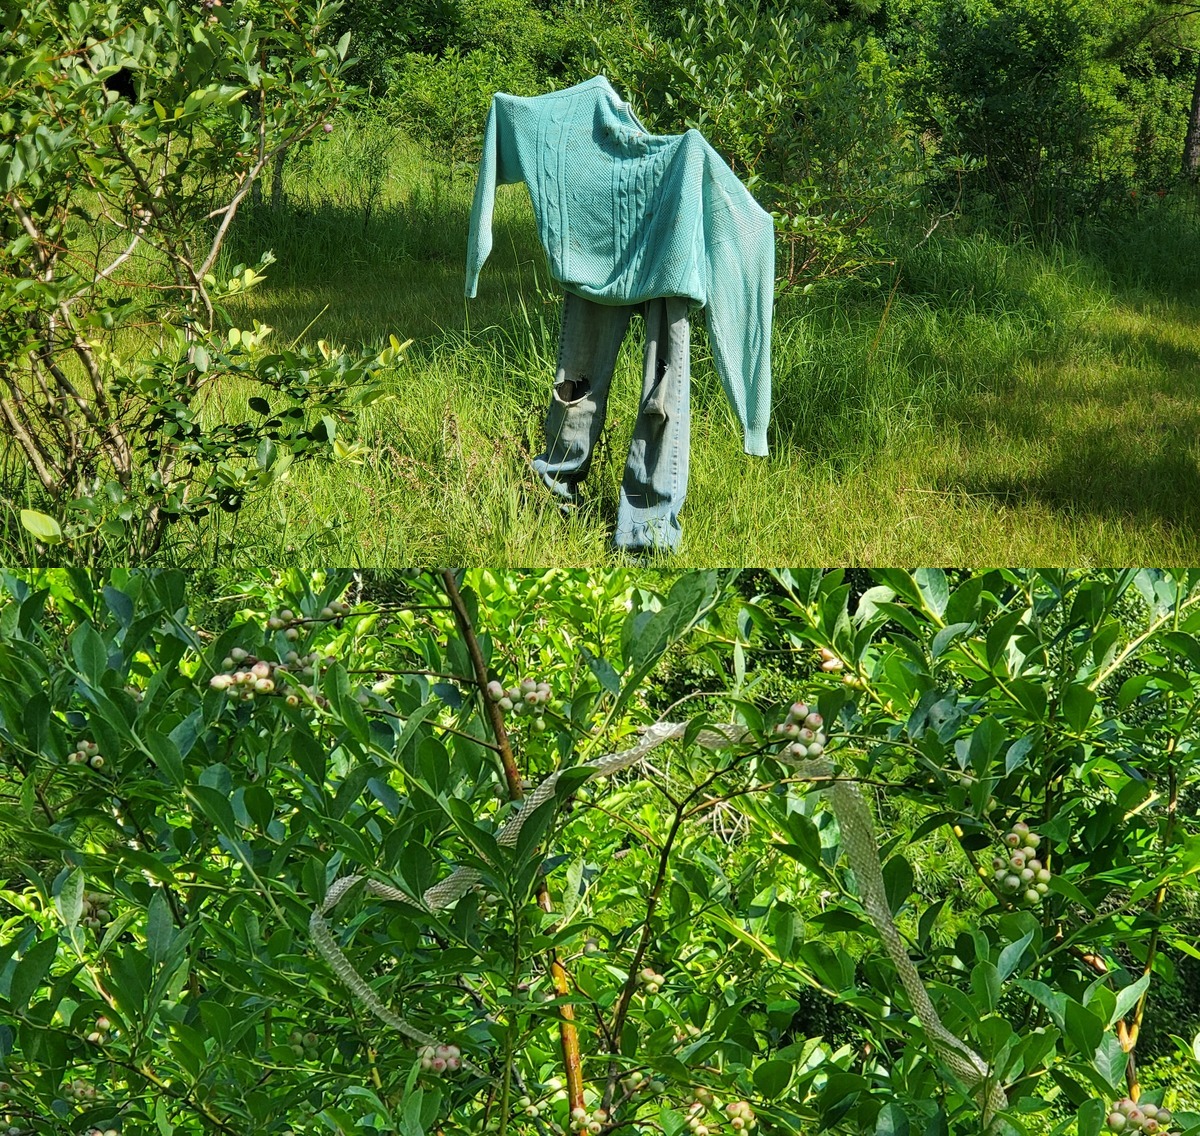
x,y
891,1121
897,882
934,589
985,982
1017,753
90,656
1090,1117
1078,702
160,929
69,901
29,973
771,1078
1082,1027
1110,1060
44,528
1127,998
1011,955
946,636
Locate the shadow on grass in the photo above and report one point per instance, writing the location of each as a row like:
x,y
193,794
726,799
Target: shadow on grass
x,y
1105,441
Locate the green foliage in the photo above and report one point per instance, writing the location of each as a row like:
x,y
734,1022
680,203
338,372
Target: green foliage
x,y
441,92
1048,110
805,111
127,150
156,973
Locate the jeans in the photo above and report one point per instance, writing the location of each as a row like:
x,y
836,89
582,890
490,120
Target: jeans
x,y
656,470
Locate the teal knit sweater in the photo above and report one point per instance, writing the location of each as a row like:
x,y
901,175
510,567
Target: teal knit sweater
x,y
627,216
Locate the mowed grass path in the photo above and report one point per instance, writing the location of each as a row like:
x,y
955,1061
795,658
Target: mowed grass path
x,y
991,403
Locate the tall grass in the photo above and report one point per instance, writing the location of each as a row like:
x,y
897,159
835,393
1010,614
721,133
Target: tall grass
x,y
984,399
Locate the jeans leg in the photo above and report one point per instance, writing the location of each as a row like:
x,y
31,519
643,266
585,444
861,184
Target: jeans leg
x,y
587,353
656,473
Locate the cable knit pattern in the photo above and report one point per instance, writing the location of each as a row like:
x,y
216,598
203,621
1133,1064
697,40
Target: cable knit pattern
x,y
627,216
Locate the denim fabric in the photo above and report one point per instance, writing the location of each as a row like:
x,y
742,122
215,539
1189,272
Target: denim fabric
x,y
656,470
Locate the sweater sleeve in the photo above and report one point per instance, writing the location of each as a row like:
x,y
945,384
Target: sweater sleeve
x,y
740,283
498,165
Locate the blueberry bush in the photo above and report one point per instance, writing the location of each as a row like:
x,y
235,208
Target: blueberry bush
x,y
190,762
129,143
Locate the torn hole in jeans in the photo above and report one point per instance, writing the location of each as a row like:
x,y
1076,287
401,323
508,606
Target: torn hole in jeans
x,y
572,390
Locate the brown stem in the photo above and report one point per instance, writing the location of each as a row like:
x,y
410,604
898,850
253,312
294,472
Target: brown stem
x,y
568,1035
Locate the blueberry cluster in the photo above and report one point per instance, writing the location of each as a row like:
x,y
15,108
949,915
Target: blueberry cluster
x,y
86,753
439,1058
741,1116
304,1044
79,1090
1019,872
527,697
589,1122
96,913
641,1082
802,728
702,1100
99,1035
244,676
287,620
1129,1116
650,981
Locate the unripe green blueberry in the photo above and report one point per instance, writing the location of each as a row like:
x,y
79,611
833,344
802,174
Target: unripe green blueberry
x,y
999,862
798,750
96,762
539,725
237,654
1036,865
1032,896
1027,874
1150,1110
1012,882
1150,1125
287,615
292,634
591,947
505,703
495,691
1164,1116
261,670
1028,852
1012,840
95,1037
1041,889
579,1115
1117,1121
103,1024
227,663
1001,874
274,623
1043,875
1017,860
298,1050
310,1039
220,681
327,613
1032,839
816,749
264,686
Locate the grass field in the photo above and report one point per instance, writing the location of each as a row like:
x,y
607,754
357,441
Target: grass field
x,y
989,401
